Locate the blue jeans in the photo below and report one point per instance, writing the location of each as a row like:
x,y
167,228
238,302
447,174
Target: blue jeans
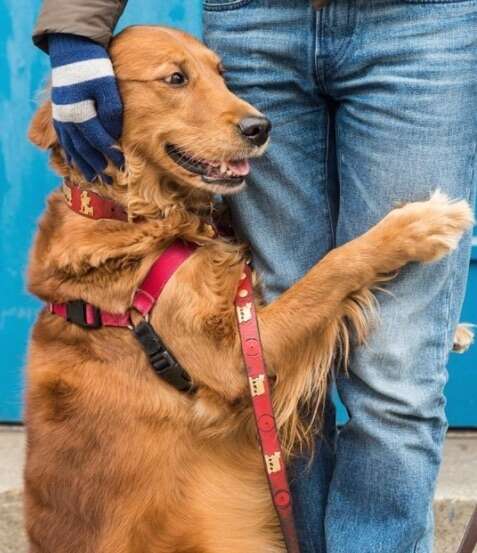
x,y
373,102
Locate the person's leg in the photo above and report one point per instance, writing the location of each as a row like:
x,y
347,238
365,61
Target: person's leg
x,y
267,48
406,125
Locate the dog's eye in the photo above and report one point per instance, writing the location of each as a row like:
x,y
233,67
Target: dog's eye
x,y
176,79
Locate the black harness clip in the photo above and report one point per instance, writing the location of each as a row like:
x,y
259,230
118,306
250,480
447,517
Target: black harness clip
x,y
162,360
76,313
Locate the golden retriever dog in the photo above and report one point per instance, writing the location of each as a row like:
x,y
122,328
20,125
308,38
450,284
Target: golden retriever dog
x,y
118,461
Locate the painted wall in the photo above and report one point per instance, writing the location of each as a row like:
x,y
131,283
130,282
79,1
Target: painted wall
x,y
25,181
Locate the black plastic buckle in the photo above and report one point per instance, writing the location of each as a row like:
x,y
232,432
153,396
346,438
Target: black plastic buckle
x,y
162,360
76,313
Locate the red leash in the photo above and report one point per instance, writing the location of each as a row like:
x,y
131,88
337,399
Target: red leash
x,y
274,460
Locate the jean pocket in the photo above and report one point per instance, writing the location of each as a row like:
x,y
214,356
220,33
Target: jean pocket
x,y
223,5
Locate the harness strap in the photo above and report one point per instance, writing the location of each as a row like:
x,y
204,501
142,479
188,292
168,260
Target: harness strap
x,y
87,315
159,274
274,460
162,361
146,295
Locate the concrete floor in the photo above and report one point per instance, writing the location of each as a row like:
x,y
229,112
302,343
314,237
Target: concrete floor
x,y
458,477
12,448
456,492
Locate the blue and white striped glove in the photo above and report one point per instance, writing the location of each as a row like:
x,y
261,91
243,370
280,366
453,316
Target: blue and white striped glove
x,y
87,106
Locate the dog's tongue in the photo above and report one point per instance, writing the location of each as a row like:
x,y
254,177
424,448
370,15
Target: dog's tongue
x,y
239,167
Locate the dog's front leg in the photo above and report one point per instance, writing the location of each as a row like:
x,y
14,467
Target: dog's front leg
x,y
302,329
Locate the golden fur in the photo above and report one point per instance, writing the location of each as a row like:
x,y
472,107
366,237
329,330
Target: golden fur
x,y
117,461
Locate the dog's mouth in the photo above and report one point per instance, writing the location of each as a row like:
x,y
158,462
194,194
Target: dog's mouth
x,y
230,173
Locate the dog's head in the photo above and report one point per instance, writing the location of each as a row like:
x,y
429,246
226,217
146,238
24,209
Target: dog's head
x,y
179,116
179,112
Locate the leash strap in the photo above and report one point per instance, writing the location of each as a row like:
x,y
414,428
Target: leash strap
x,y
263,409
469,541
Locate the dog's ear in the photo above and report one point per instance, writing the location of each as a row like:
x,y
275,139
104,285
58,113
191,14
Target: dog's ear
x,y
42,132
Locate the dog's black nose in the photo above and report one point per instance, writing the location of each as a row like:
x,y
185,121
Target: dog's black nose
x,y
255,129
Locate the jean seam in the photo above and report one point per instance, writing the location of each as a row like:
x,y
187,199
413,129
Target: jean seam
x,y
326,174
308,530
339,168
468,194
472,175
338,59
319,77
309,542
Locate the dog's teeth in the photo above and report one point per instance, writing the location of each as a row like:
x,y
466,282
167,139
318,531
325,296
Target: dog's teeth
x,y
223,167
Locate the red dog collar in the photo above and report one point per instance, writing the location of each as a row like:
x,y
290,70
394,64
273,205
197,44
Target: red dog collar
x,y
92,205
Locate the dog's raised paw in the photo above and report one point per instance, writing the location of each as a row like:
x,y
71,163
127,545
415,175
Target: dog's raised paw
x,y
431,229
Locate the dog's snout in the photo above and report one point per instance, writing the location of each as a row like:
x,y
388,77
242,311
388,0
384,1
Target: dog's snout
x,y
255,129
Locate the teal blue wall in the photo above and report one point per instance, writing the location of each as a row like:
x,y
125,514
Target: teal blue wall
x,y
24,176
25,181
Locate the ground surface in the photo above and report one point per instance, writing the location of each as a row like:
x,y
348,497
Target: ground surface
x,y
455,497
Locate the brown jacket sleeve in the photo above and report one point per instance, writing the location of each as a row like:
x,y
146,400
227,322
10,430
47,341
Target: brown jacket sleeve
x,y
94,19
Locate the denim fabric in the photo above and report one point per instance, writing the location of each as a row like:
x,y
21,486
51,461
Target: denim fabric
x,y
373,102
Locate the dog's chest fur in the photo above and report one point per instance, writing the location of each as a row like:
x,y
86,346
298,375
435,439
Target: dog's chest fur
x,y
130,448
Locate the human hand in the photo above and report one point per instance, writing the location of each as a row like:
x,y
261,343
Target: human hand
x,y
87,106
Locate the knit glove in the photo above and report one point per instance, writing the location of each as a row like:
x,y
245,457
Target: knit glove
x,y
87,107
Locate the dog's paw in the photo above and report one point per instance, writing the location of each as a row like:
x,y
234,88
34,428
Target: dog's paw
x,y
431,229
463,338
